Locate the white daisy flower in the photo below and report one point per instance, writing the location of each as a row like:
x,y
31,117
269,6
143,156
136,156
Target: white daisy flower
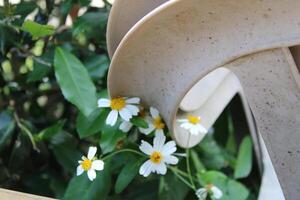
x,y
215,192
193,125
201,193
125,107
154,123
90,164
160,154
126,126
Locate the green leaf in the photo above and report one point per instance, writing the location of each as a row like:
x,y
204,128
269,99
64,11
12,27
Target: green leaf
x,y
172,188
81,188
127,174
110,137
7,126
49,132
139,122
92,124
97,66
37,30
232,190
197,162
76,85
244,159
63,146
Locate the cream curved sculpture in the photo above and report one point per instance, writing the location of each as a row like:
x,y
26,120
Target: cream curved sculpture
x,y
177,44
123,15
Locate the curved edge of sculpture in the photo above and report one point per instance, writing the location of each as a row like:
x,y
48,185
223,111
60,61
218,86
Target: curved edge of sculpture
x,y
123,15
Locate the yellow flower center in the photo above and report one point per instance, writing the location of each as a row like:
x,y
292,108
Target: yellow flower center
x,y
156,157
158,124
194,119
117,103
209,186
86,164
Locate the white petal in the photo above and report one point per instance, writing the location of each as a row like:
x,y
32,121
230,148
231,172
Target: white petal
x,y
194,131
146,148
92,152
182,120
146,168
98,165
159,131
154,112
186,125
217,193
112,118
103,103
125,126
159,141
134,110
79,170
134,100
171,160
202,129
148,130
161,168
91,174
125,114
169,148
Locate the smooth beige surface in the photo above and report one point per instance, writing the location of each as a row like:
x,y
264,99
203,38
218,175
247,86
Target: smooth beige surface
x,y
13,195
123,15
176,45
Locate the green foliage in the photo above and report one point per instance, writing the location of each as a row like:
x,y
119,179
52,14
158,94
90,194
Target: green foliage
x,y
231,189
37,30
244,159
81,188
73,78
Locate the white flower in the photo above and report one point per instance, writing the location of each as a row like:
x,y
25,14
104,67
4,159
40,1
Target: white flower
x,y
201,193
215,192
90,164
125,107
125,126
154,123
193,125
159,154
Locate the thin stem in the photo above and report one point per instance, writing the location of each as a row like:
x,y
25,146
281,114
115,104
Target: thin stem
x,y
181,172
122,151
189,168
181,178
188,163
27,131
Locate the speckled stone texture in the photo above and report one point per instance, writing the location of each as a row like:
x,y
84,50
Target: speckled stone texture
x,y
179,43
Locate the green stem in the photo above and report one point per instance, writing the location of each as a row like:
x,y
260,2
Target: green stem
x,y
27,131
122,151
182,173
188,166
181,178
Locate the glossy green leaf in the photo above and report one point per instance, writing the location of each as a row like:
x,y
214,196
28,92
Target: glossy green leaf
x,y
92,124
7,126
63,146
244,159
37,30
127,174
139,122
231,189
97,66
75,83
81,188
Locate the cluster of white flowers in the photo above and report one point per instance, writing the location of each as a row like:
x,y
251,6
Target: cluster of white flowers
x,y
160,154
